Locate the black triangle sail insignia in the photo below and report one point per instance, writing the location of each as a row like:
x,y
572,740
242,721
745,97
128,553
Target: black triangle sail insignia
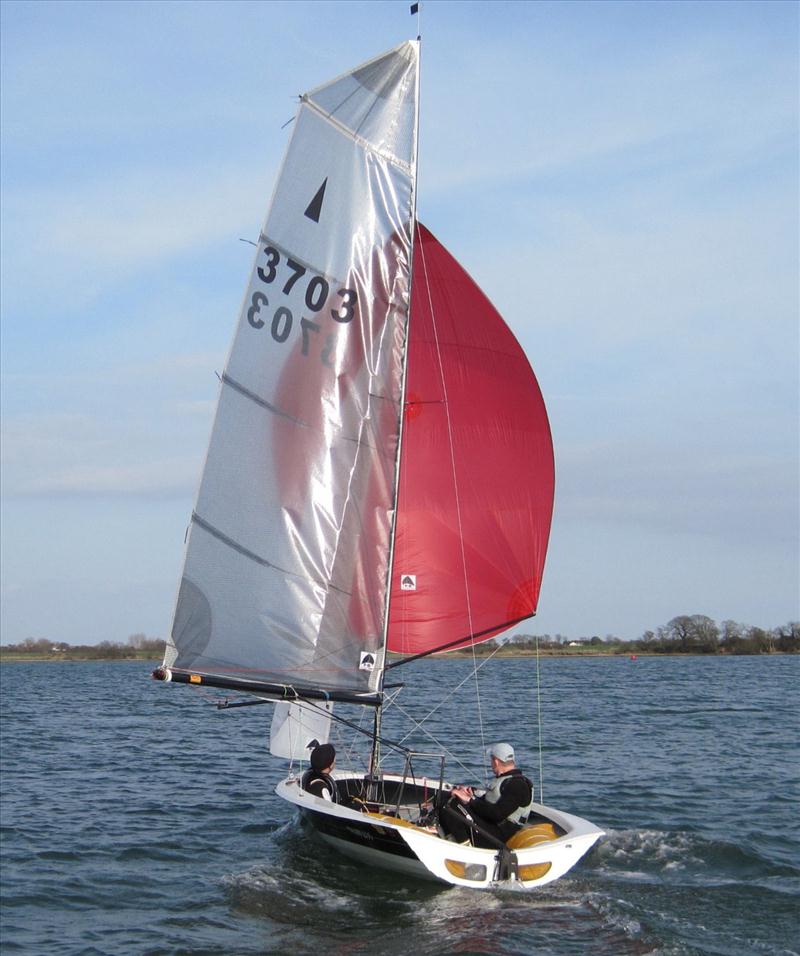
x,y
315,206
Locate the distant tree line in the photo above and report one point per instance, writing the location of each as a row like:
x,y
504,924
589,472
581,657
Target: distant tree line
x,y
137,647
698,634
685,634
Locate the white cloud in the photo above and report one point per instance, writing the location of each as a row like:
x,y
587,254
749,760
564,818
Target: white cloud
x,y
167,477
692,108
87,240
201,408
734,497
136,430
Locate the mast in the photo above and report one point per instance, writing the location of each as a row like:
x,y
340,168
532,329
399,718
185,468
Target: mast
x,y
375,755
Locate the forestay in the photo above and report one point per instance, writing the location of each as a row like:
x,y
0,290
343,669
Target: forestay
x,y
286,567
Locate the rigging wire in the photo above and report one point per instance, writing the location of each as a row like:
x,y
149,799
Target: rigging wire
x,y
447,697
392,744
539,721
419,724
445,751
350,751
315,705
457,497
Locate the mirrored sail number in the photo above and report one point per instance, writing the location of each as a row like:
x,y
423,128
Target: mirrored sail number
x,y
317,293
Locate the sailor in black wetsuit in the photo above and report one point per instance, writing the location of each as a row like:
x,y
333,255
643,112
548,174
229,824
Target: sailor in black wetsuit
x,y
318,779
501,810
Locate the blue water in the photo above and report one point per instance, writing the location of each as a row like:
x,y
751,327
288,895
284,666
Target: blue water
x,y
138,819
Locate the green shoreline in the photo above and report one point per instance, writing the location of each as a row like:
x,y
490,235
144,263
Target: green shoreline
x,y
34,659
684,636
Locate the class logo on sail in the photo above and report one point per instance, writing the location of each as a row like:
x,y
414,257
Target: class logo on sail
x,y
367,661
315,206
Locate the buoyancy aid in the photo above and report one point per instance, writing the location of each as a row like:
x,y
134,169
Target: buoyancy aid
x,y
312,776
492,795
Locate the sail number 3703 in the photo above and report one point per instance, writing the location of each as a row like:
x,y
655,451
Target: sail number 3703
x,y
281,321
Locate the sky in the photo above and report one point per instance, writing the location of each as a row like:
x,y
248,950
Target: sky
x,y
621,179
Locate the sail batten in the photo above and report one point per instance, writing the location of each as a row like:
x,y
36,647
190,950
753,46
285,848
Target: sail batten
x,y
377,104
262,402
353,135
267,406
259,559
315,268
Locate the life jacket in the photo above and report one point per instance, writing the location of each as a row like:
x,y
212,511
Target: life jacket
x,y
313,776
492,795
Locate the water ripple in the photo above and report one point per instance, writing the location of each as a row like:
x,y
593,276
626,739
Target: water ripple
x,y
139,821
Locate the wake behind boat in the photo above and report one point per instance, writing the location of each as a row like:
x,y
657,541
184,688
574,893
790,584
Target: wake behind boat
x,y
379,478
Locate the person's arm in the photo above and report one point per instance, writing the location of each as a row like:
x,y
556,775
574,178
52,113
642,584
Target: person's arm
x,y
513,795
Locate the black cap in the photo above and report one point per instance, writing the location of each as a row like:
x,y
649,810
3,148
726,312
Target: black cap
x,y
323,756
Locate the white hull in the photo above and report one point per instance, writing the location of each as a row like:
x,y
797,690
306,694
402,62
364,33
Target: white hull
x,y
395,842
379,858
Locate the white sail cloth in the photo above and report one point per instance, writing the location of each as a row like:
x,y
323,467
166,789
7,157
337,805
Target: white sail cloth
x,y
295,727
286,566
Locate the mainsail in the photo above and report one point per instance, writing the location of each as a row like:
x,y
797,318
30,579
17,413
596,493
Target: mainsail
x,y
286,567
476,482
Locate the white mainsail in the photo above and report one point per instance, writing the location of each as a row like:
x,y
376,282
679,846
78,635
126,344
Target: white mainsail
x,y
286,566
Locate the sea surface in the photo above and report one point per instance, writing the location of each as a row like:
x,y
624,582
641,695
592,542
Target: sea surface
x,y
139,819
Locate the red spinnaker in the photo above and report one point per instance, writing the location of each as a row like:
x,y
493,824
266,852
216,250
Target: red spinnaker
x,y
476,492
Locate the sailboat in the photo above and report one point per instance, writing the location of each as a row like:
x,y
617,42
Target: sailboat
x,y
379,481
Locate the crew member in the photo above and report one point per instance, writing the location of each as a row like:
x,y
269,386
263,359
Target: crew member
x,y
499,812
318,779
